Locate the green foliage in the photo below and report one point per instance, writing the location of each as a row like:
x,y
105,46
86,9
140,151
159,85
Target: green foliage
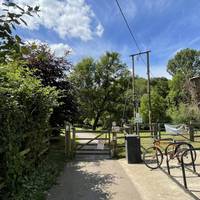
x,y
186,62
177,93
184,113
35,184
100,86
25,107
184,65
52,71
12,15
158,106
161,85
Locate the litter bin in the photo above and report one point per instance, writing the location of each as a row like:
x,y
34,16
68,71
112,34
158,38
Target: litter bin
x,y
133,152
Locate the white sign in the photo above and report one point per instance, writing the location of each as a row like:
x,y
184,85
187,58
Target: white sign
x,y
100,144
116,128
138,118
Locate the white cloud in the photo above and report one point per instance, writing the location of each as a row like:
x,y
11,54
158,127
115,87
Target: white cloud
x,y
60,49
69,18
99,30
157,4
129,8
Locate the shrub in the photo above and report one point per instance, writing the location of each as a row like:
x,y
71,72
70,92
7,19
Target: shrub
x,y
184,113
25,108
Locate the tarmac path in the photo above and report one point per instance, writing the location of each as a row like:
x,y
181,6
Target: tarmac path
x,y
94,180
97,177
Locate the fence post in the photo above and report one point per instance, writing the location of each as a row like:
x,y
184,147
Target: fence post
x,y
159,133
73,140
114,139
191,132
67,140
156,133
109,142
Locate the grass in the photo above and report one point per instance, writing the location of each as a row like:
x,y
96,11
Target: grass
x,y
147,142
35,185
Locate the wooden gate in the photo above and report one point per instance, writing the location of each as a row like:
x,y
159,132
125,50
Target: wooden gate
x,y
88,142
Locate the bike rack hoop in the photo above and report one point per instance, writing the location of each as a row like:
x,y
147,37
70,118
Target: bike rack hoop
x,y
166,152
193,164
176,143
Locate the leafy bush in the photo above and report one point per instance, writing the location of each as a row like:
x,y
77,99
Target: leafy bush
x,y
158,107
25,108
184,113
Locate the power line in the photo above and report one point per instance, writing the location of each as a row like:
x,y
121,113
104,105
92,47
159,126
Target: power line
x,y
129,28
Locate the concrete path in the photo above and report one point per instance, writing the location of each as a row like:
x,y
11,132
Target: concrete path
x,y
96,177
153,184
94,180
115,180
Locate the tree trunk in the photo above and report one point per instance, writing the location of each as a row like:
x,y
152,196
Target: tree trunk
x,y
96,121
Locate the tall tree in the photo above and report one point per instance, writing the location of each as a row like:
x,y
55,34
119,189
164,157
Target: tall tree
x,y
53,71
184,65
161,85
99,85
158,106
186,62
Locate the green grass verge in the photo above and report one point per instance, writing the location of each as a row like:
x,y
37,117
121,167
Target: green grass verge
x,y
148,142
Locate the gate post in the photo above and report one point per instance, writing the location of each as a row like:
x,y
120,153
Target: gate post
x,y
159,133
67,140
73,140
155,130
191,132
114,140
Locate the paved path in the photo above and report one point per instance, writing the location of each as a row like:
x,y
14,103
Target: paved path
x,y
115,180
153,184
94,180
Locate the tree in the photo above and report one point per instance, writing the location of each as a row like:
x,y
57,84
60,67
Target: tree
x,y
99,85
11,45
186,62
161,85
158,106
184,66
53,71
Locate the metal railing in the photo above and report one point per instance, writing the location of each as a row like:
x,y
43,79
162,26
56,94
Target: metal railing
x,y
192,152
168,153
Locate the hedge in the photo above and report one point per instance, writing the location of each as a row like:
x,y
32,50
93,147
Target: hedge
x,y
25,108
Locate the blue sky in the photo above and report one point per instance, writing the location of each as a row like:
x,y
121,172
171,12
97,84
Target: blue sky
x,y
91,27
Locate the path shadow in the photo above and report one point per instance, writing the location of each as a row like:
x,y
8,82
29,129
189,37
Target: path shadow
x,y
79,182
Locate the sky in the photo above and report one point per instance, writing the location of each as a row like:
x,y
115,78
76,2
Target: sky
x,y
92,27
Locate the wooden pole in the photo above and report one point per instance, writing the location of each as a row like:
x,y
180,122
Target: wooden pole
x,y
73,140
67,140
149,88
114,144
191,132
133,85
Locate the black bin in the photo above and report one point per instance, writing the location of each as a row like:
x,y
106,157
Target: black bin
x,y
133,152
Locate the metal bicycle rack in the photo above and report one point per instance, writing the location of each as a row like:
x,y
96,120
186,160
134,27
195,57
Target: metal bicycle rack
x,y
183,165
167,152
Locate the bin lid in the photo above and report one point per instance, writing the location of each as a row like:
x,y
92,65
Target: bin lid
x,y
131,135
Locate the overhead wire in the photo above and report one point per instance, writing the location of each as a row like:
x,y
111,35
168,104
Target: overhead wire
x,y
130,31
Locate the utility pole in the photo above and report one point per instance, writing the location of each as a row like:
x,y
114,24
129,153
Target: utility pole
x,y
149,87
133,84
148,82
